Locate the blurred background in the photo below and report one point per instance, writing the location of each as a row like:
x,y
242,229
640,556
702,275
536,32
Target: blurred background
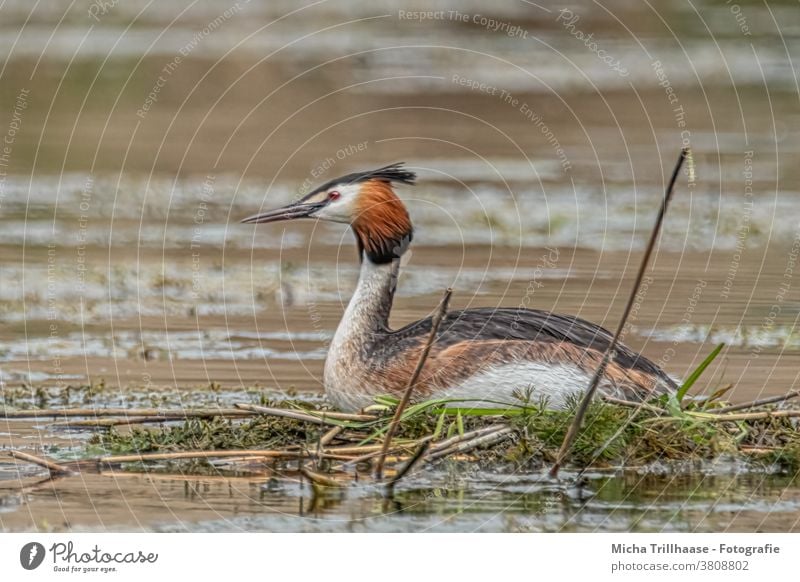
x,y
136,134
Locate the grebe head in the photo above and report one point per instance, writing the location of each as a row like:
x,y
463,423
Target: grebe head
x,y
364,200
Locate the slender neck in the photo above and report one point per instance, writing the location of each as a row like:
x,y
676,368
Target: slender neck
x,y
369,308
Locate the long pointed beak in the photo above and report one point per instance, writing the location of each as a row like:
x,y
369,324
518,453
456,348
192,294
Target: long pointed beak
x,y
289,212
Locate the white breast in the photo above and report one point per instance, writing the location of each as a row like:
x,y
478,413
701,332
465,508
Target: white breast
x,y
553,382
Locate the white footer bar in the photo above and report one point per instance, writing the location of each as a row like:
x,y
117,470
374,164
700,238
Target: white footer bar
x,y
389,557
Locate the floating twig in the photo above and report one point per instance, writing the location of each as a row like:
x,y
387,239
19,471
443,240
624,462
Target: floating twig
x,y
401,406
111,422
320,479
54,468
580,412
151,475
21,486
123,412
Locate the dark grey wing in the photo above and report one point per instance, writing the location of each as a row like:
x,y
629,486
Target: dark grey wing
x,y
526,325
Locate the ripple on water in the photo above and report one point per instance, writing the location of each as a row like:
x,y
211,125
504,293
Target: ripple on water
x,y
444,501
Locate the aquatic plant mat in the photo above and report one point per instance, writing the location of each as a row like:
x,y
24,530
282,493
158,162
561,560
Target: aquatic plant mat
x,y
300,440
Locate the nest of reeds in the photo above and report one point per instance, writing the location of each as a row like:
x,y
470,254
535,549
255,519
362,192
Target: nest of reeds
x,y
327,447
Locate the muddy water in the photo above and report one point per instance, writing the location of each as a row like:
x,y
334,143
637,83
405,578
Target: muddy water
x,y
123,264
453,500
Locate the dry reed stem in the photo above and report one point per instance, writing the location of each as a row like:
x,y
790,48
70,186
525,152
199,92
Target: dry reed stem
x,y
401,406
111,422
319,414
324,418
404,470
395,448
746,415
269,454
441,445
583,407
755,403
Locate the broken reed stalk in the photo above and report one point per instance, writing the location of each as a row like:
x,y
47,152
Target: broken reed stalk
x,y
404,470
378,447
468,445
580,412
434,448
755,403
328,437
401,406
54,468
441,445
396,448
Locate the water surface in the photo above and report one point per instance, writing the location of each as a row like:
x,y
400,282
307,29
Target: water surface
x,y
122,261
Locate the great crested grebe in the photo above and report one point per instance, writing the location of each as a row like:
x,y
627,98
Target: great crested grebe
x,y
484,356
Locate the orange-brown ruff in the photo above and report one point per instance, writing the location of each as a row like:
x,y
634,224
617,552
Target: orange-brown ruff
x,y
482,356
381,218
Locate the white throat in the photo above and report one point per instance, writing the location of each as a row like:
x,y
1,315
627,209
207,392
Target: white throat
x,y
368,310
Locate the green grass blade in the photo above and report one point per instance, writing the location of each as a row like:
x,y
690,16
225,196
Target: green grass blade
x,y
439,426
697,372
452,411
386,400
674,406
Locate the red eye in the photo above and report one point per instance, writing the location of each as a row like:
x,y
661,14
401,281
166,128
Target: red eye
x,y
334,195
